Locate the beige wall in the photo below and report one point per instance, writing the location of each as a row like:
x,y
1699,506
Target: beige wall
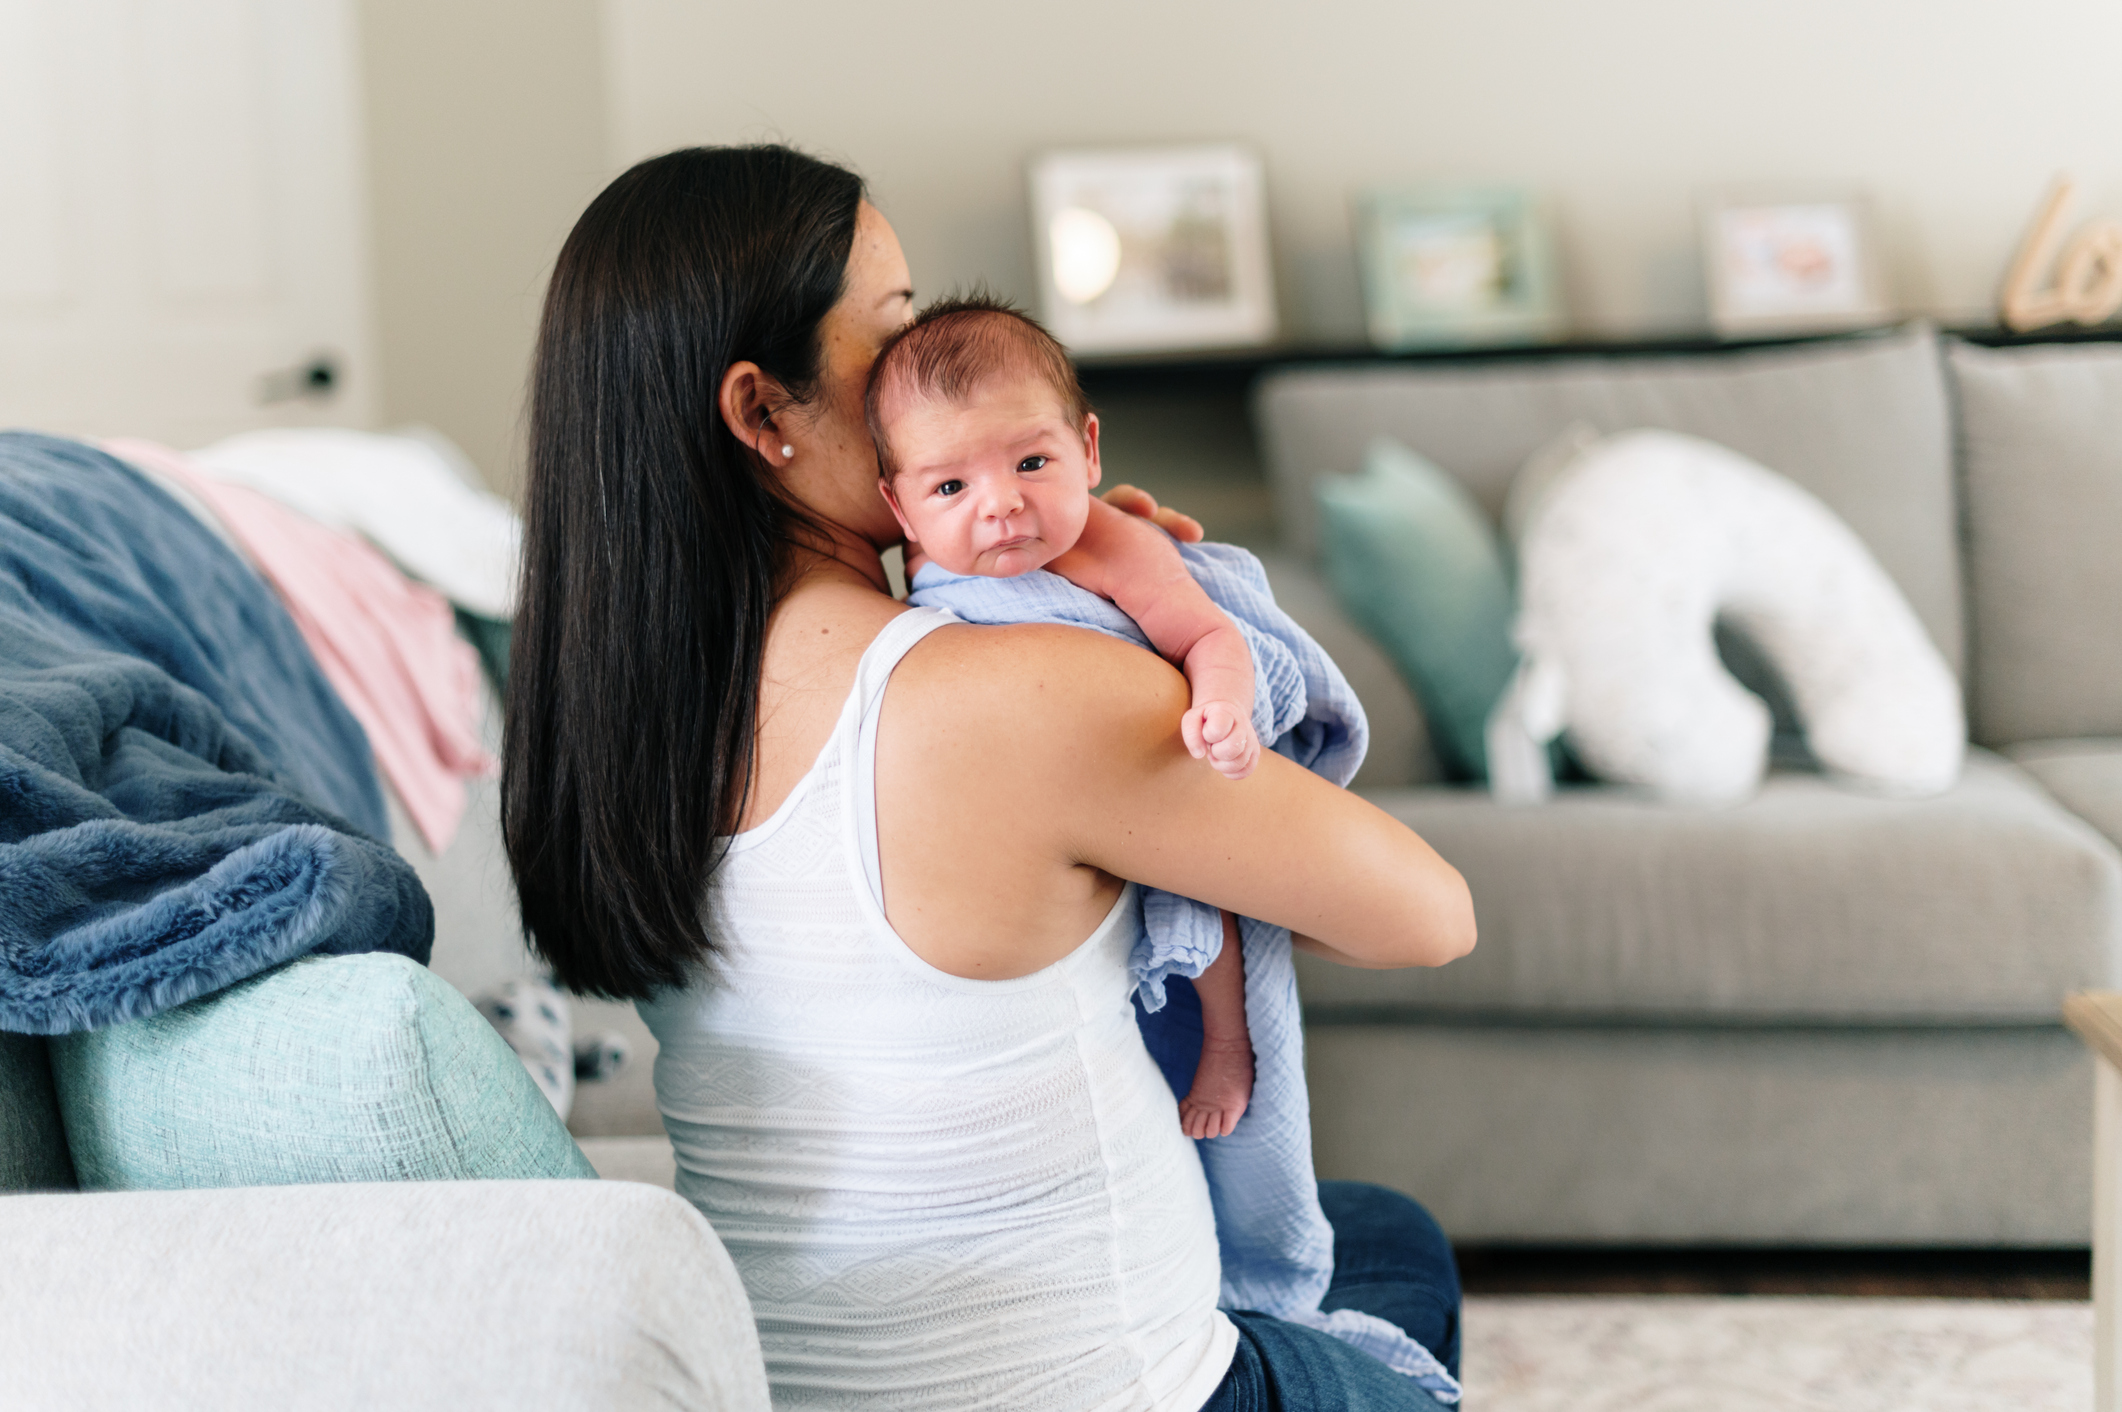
x,y
486,137
1953,113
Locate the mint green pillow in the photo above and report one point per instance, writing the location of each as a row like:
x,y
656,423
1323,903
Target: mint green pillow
x,y
1421,570
327,1069
32,1143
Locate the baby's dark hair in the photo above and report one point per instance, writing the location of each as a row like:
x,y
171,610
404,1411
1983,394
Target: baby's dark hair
x,y
958,343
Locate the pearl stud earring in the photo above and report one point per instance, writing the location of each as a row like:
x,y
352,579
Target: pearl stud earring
x,y
788,453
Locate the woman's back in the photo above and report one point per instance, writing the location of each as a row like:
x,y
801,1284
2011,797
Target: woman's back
x,y
941,1192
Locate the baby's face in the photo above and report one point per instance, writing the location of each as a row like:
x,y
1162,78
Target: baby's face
x,y
996,485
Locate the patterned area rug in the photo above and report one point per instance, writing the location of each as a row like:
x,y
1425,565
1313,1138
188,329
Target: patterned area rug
x,y
1663,1353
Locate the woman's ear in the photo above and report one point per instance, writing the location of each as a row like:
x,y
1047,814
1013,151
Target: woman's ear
x,y
1090,447
747,399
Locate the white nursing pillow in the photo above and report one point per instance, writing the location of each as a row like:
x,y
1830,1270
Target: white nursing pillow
x,y
1629,557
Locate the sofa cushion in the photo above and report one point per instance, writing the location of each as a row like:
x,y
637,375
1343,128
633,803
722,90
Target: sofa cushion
x,y
2085,775
1862,423
328,1069
1400,753
1417,564
32,1142
1808,903
2041,447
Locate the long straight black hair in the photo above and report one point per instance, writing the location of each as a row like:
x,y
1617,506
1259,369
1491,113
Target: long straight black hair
x,y
653,541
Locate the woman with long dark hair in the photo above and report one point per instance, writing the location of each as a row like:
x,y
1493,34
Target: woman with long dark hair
x,y
868,870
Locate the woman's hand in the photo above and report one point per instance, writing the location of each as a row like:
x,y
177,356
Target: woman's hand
x,y
1137,501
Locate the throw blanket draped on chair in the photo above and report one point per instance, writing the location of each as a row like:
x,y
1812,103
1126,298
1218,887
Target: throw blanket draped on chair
x,y
1277,1247
184,802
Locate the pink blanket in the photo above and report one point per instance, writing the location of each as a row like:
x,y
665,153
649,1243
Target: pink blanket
x,y
389,645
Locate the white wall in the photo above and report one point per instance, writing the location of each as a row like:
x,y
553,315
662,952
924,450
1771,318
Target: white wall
x,y
1954,114
486,138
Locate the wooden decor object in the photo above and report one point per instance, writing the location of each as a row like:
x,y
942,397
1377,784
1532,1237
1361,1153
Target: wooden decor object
x,y
2088,282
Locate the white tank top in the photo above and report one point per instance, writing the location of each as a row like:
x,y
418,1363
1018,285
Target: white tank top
x,y
942,1193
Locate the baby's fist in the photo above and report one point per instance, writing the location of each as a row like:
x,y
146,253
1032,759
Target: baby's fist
x,y
1218,732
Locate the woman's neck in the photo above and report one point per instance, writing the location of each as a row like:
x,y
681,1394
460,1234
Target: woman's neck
x,y
834,553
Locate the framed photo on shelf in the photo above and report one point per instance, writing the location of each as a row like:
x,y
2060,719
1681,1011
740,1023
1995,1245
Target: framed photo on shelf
x,y
1457,266
1159,249
1790,263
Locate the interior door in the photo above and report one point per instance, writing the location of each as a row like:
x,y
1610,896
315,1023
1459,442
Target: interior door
x,y
182,223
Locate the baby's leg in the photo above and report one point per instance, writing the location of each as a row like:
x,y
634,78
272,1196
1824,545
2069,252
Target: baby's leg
x,y
1223,1082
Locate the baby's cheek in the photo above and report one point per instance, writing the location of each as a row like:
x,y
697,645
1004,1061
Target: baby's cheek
x,y
949,546
1073,516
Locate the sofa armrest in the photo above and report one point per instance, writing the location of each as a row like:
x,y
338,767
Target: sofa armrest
x,y
405,1295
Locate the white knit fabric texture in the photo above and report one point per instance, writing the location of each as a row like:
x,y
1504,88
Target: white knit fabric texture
x,y
1631,555
941,1193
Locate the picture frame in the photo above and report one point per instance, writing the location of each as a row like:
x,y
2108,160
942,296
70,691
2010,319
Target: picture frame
x,y
1457,266
1782,262
1153,249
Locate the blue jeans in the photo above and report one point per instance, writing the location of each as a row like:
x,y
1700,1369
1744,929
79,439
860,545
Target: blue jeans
x,y
1390,1259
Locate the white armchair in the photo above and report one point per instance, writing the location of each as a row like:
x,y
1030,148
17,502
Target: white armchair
x,y
417,1295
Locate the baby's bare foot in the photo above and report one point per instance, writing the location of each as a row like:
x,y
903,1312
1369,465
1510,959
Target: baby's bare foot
x,y
1223,1085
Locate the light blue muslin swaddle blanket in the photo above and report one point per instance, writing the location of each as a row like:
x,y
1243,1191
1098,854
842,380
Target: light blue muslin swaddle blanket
x,y
1277,1248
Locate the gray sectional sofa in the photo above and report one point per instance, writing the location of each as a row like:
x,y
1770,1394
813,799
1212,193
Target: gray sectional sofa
x,y
1819,1017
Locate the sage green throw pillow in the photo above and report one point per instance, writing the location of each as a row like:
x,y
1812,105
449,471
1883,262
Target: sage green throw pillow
x,y
1420,568
32,1143
327,1069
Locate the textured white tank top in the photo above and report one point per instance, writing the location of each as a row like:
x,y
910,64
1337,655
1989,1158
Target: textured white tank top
x,y
942,1193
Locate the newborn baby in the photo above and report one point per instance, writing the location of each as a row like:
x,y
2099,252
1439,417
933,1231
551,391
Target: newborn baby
x,y
988,454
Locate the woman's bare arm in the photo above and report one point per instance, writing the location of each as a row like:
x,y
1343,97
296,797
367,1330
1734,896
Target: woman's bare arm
x,y
1120,557
1021,770
1284,846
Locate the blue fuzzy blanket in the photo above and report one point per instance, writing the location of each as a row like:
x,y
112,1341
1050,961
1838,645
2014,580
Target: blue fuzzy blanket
x,y
184,801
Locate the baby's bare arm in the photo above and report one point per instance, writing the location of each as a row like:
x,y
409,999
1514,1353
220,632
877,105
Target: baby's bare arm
x,y
1121,558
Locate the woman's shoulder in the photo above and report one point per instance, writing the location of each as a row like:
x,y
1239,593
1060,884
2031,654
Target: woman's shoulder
x,y
1028,680
835,607
817,635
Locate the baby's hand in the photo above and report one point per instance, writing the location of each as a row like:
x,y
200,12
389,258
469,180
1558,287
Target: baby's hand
x,y
1218,732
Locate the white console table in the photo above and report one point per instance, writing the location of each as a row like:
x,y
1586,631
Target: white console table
x,y
2096,1017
